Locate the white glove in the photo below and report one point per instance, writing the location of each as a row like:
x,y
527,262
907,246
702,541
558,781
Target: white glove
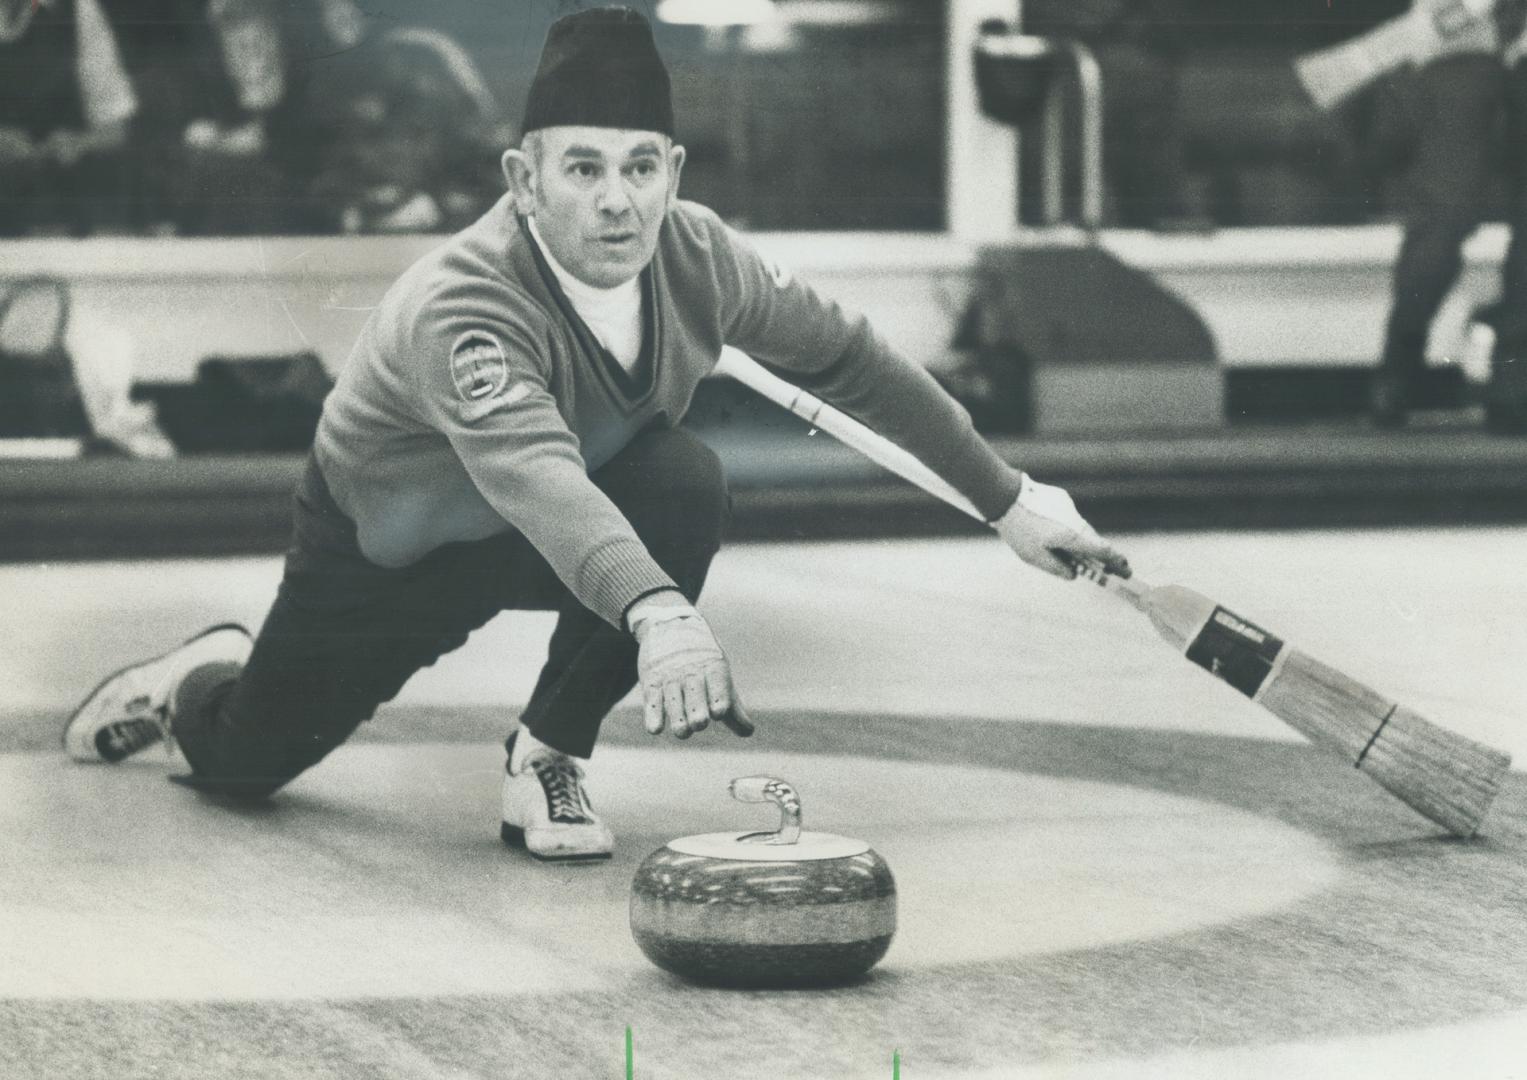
x,y
685,677
1045,530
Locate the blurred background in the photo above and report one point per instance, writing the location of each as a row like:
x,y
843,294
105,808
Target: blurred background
x,y
1128,235
290,116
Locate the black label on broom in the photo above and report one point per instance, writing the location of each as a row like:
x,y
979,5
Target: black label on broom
x,y
1235,650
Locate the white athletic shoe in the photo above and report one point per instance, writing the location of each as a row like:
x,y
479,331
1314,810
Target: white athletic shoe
x,y
547,812
131,710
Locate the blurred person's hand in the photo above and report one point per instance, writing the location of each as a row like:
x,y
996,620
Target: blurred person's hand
x,y
244,140
200,134
1460,26
17,147
344,22
66,147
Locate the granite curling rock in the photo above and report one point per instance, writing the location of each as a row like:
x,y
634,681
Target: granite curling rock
x,y
764,909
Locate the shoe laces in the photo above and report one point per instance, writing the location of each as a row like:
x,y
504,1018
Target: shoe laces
x,y
127,737
562,780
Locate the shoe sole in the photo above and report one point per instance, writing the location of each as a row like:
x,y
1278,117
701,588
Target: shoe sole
x,y
90,697
514,837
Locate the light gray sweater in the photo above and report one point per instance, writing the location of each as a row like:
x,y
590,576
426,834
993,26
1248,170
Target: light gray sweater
x,y
476,400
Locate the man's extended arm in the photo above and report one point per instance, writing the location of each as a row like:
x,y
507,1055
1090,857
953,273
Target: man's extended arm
x,y
783,323
780,321
525,461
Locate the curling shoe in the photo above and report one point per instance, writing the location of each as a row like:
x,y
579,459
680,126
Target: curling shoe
x,y
547,812
133,709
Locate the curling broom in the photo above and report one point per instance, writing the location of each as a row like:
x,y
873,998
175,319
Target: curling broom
x,y
1448,778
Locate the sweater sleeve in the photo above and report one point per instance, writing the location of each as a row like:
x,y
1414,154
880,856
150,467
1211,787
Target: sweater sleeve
x,y
782,323
488,390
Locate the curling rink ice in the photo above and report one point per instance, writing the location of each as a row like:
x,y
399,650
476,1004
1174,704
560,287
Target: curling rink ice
x,y
1435,617
1108,864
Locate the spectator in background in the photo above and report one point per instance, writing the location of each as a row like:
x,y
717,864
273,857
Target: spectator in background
x,y
65,104
372,129
269,48
1137,46
272,116
1506,398
218,145
405,133
250,158
1449,114
194,146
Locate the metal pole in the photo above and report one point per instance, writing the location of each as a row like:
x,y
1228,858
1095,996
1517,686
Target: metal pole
x,y
1053,192
1089,78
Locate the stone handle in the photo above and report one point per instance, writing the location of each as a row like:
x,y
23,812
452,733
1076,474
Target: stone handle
x,y
767,789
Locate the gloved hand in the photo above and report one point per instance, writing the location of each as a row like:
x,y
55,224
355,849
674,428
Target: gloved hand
x,y
1045,530
685,678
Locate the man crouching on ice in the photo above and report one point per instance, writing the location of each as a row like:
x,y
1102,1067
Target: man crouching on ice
x,y
504,436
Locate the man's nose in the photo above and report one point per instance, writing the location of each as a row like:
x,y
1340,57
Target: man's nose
x,y
613,197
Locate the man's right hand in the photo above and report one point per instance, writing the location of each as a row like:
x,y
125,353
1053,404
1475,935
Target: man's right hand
x,y
1045,531
685,677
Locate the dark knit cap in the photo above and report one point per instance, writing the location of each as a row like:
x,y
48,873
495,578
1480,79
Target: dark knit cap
x,y
601,68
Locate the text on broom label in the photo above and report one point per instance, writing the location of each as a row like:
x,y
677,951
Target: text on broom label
x,y
1239,652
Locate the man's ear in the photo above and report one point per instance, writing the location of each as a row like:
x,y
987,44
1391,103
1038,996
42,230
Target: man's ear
x,y
675,167
520,172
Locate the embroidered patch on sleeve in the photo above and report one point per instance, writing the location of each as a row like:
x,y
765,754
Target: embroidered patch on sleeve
x,y
479,367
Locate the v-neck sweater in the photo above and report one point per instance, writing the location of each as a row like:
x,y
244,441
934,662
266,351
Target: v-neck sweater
x,y
476,400
614,315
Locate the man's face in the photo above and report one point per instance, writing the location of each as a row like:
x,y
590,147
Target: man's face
x,y
599,196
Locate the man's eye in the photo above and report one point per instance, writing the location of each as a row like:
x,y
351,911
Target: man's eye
x,y
585,170
643,169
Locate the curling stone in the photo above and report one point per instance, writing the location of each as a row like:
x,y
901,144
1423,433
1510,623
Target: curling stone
x,y
764,909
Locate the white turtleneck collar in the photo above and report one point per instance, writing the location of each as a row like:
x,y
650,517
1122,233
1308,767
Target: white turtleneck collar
x,y
613,314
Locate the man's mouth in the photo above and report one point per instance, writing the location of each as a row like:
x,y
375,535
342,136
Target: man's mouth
x,y
616,238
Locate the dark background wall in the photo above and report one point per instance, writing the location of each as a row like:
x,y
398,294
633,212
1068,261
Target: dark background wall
x,y
844,129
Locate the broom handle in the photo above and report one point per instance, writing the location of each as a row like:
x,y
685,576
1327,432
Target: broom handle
x,y
842,427
883,452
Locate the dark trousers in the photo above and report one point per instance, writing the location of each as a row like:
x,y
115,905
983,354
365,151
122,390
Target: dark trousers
x,y
1455,128
344,635
1508,387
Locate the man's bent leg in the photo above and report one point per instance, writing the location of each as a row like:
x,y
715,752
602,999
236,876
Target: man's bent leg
x,y
671,488
341,638
309,683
